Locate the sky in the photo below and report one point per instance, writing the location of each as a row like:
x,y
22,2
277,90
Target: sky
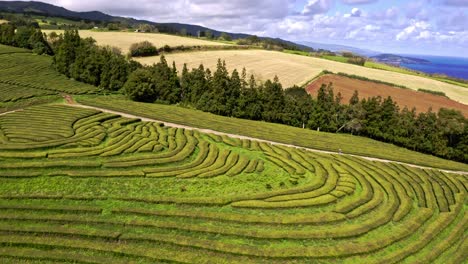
x,y
432,27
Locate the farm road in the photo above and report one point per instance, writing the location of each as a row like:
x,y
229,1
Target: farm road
x,y
74,104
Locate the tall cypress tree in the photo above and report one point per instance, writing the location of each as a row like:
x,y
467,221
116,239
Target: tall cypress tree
x,y
66,52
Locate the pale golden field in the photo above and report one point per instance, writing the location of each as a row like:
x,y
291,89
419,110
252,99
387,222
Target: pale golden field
x,y
3,21
295,69
123,40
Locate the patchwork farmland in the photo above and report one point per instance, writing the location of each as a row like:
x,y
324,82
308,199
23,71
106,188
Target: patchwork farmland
x,y
126,39
79,185
404,97
291,69
299,70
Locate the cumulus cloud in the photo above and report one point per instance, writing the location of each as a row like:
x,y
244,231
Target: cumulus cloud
x,y
355,12
414,29
314,7
435,22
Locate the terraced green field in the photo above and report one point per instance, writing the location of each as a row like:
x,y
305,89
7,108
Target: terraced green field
x,y
81,186
24,75
273,132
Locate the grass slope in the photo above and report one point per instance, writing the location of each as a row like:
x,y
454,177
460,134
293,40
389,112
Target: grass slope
x,y
273,132
376,65
77,185
386,67
24,75
298,70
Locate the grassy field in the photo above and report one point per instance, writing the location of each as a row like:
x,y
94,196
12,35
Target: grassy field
x,y
10,49
24,75
386,67
123,40
77,185
294,69
273,132
336,58
54,22
404,97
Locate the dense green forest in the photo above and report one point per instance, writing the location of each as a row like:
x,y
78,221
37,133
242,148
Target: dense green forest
x,y
444,134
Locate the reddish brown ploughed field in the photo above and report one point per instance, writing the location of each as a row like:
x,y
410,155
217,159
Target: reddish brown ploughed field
x,y
404,97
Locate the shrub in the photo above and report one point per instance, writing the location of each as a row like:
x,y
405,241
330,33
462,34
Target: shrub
x,y
357,60
438,93
348,55
142,49
166,48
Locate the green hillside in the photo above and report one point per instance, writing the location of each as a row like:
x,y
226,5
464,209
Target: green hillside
x,y
78,185
35,75
274,132
24,75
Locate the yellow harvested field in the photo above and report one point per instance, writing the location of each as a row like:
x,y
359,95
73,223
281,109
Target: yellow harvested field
x,y
123,40
3,21
296,69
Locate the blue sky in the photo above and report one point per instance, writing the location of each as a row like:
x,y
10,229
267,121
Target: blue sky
x,y
433,27
412,27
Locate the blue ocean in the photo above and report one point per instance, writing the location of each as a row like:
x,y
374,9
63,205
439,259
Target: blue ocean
x,y
450,66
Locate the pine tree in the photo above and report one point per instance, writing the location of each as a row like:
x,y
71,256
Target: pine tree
x,y
355,98
219,90
7,34
233,92
66,52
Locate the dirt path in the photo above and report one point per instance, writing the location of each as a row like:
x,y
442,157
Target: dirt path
x,y
209,131
68,99
9,112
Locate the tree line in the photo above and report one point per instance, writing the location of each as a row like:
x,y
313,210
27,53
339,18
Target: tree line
x,y
235,94
24,35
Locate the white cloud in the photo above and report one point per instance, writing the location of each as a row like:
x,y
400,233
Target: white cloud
x,y
413,30
431,22
314,7
371,28
355,12
424,35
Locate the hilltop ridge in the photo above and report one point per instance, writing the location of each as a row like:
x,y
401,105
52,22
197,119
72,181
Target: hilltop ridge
x,y
397,59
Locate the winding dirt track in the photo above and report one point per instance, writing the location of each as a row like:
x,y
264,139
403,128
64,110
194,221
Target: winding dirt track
x,y
209,131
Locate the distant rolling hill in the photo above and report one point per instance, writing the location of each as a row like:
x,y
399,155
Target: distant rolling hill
x,y
51,10
340,48
397,59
